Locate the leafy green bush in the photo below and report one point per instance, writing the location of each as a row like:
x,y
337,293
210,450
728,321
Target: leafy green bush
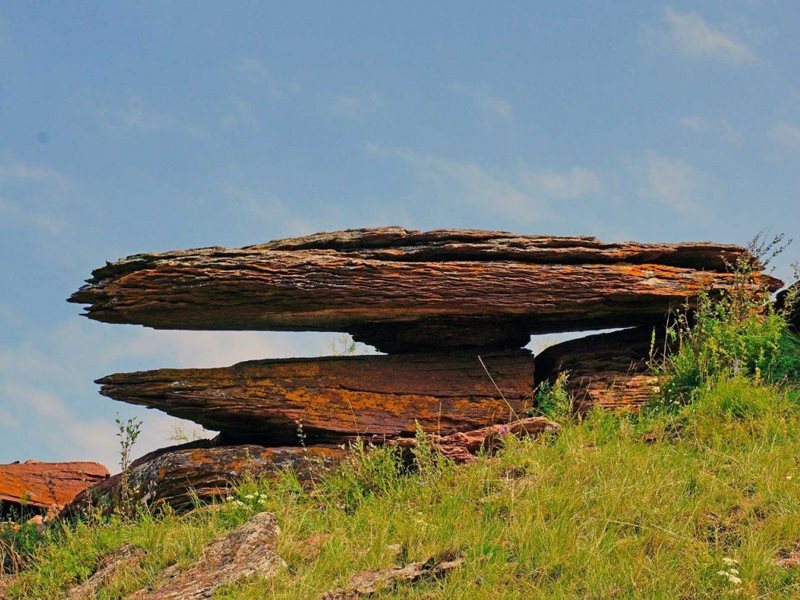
x,y
18,544
734,333
554,400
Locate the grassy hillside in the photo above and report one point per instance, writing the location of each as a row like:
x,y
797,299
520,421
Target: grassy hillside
x,y
611,508
696,497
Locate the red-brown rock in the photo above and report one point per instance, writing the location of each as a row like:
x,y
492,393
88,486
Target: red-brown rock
x,y
607,370
406,290
337,399
176,476
44,485
462,447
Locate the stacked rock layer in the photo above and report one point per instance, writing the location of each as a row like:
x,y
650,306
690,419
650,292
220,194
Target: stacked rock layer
x,y
452,308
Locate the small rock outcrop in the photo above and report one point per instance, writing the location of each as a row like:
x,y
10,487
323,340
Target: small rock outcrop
x,y
245,552
369,583
181,475
126,560
462,447
43,486
609,370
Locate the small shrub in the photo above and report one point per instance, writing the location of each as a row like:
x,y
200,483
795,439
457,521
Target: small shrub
x,y
128,432
367,471
736,333
554,400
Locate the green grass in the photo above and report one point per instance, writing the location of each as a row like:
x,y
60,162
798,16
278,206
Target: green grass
x,y
695,497
613,507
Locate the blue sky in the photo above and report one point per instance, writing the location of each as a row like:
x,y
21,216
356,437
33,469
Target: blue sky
x,y
130,127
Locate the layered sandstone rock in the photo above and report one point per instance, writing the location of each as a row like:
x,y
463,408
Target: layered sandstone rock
x,y
272,402
406,290
181,475
464,446
44,485
451,307
609,370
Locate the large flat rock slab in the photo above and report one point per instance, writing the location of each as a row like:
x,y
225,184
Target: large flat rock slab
x,y
338,398
406,290
45,485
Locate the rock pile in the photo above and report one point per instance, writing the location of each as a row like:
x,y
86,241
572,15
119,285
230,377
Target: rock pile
x,y
452,308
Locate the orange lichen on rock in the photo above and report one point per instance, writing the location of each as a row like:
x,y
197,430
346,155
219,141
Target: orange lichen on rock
x,y
608,370
407,290
335,399
180,475
45,485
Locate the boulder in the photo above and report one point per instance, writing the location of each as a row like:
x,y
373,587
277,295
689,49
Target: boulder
x,y
42,485
180,475
403,290
371,583
336,399
125,561
607,370
245,552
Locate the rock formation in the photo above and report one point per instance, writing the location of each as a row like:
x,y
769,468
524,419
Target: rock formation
x,y
244,552
181,475
370,583
462,447
404,290
451,307
609,370
42,486
336,399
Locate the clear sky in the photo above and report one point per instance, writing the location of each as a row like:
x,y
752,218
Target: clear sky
x,y
140,126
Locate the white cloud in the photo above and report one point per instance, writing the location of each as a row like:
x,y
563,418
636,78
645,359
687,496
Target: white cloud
x,y
569,185
134,115
8,420
22,172
786,135
240,116
717,127
354,105
484,100
519,192
44,220
265,207
29,196
671,182
257,73
692,37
